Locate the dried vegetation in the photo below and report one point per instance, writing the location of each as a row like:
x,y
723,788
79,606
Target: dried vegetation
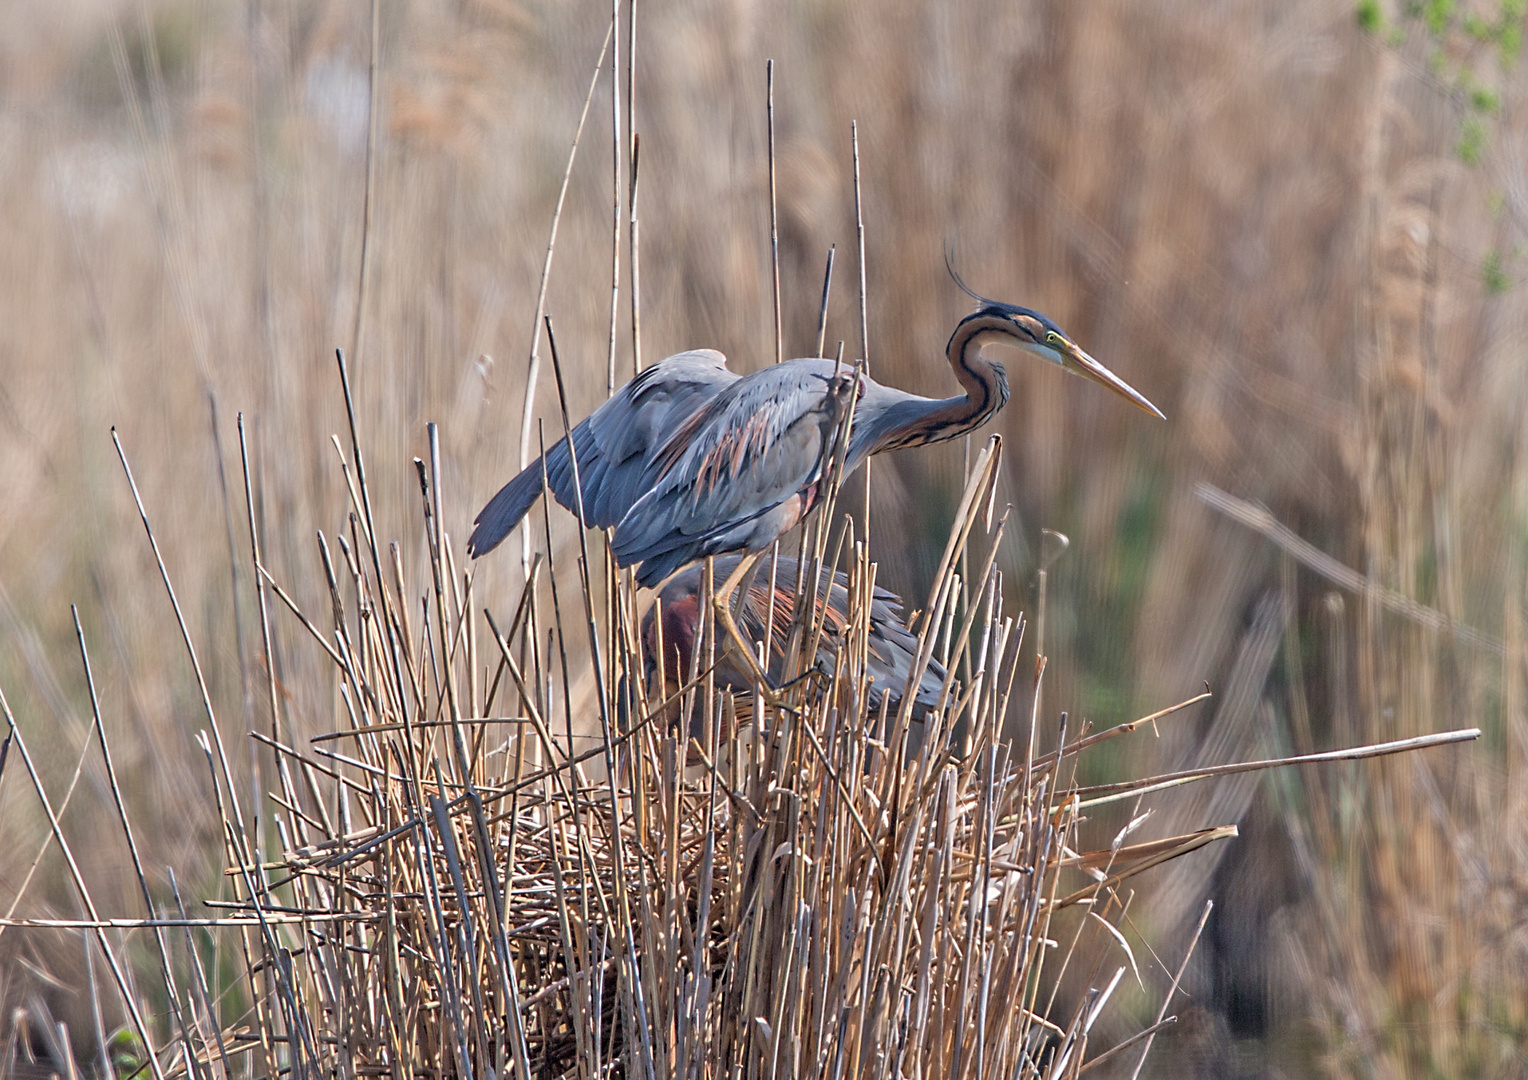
x,y
1261,214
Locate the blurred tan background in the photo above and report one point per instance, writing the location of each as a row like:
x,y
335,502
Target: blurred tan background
x,y
1295,225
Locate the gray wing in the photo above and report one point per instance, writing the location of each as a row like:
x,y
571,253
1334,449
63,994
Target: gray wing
x,y
616,445
722,479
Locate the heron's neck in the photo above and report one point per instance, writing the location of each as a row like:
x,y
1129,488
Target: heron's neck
x,y
916,421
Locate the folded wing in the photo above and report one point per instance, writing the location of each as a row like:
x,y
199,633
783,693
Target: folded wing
x,y
735,476
616,447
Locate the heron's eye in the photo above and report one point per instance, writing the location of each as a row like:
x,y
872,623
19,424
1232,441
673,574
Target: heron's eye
x,y
1053,338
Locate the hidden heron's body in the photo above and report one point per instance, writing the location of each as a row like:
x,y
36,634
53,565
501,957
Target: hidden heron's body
x,y
889,660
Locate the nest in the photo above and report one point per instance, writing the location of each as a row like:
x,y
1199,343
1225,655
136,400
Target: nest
x,y
471,884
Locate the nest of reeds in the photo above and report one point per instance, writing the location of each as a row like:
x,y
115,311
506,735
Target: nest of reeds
x,y
473,879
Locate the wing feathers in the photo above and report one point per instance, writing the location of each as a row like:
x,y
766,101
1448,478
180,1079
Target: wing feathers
x,y
726,477
616,447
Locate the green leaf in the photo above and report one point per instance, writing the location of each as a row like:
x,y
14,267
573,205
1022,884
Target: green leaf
x,y
1472,140
127,1053
1493,275
1484,99
1437,14
1510,39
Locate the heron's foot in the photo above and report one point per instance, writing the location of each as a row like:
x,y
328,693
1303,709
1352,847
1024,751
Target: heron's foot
x,y
816,673
723,604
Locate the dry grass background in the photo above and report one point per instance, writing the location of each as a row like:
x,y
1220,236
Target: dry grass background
x,y
1255,212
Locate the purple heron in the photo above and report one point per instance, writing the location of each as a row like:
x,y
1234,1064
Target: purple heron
x,y
690,459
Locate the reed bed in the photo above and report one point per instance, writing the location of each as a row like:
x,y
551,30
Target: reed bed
x,y
471,873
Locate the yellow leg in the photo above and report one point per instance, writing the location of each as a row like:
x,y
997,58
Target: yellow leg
x,y
744,565
723,603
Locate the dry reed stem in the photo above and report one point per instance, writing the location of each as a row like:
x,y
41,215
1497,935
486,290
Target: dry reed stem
x,y
831,856
1126,788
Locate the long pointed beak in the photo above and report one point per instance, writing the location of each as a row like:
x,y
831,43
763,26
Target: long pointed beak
x,y
1080,363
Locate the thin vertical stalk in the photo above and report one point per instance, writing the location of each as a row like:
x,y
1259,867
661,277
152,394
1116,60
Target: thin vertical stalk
x,y
616,195
774,267
264,609
631,196
533,369
636,262
822,309
119,973
774,207
634,984
233,565
166,971
357,337
1209,905
859,231
185,632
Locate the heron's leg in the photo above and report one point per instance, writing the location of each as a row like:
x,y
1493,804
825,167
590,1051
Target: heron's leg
x,y
723,603
744,565
755,669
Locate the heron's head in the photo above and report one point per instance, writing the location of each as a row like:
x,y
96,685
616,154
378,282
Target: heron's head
x,y
681,618
998,323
